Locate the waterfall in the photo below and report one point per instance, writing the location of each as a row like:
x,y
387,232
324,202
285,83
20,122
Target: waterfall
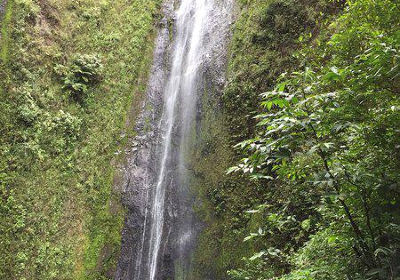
x,y
161,229
190,23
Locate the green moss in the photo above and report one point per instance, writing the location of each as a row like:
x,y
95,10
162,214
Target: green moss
x,y
5,31
58,155
220,245
258,54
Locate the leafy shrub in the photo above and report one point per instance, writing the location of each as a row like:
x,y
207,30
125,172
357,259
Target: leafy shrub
x,y
51,134
315,262
83,72
28,110
330,131
253,270
60,132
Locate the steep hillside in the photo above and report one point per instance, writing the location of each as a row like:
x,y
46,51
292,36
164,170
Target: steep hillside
x,y
298,205
70,73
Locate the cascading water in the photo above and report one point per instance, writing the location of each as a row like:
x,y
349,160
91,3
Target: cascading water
x,y
161,228
190,20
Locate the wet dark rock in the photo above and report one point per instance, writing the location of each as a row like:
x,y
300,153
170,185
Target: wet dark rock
x,y
181,227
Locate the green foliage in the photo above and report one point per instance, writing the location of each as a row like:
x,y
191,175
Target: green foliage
x,y
315,260
328,138
265,38
253,67
84,71
60,217
254,269
5,21
282,22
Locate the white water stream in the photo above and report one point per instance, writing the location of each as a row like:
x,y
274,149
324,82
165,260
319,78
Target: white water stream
x,y
161,227
179,108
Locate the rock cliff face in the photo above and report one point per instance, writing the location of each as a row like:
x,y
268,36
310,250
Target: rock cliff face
x,y
161,227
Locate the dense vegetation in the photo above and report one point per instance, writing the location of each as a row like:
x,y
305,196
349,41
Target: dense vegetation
x,y
297,176
68,73
323,144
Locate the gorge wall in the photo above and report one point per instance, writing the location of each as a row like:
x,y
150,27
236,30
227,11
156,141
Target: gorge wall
x,y
119,121
161,231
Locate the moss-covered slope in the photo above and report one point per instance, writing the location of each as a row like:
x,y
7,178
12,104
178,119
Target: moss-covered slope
x,y
68,72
